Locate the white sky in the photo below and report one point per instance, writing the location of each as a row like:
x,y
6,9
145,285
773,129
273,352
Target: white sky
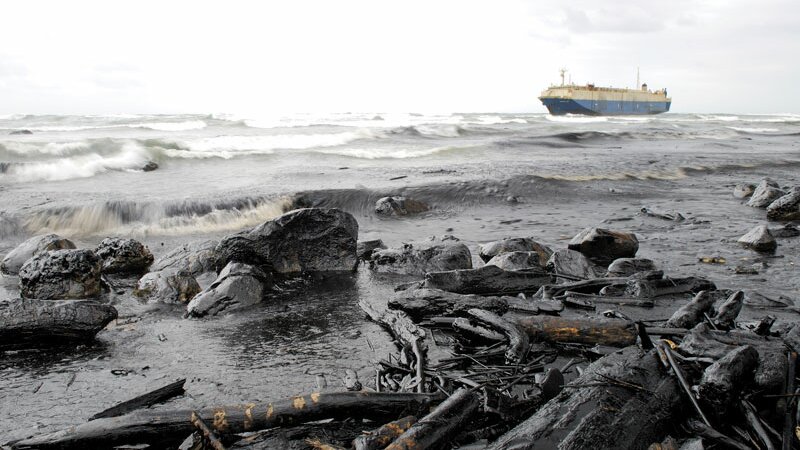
x,y
97,57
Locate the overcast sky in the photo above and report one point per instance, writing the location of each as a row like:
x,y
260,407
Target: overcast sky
x,y
82,57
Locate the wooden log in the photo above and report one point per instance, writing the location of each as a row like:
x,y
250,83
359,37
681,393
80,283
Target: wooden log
x,y
207,433
610,332
667,286
441,424
383,436
422,303
29,323
788,418
613,300
722,381
142,401
466,327
397,323
165,428
624,400
584,287
729,311
770,373
488,280
518,342
755,425
690,314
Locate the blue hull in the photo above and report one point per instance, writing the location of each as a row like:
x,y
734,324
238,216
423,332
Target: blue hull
x,y
559,107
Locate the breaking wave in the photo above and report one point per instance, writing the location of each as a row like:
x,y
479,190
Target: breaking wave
x,y
150,218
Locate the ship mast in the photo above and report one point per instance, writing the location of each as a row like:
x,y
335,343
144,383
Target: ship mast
x,y
563,71
638,86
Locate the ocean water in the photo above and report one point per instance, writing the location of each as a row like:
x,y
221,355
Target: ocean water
x,y
486,176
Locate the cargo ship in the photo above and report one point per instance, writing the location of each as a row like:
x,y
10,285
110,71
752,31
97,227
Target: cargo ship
x,y
603,101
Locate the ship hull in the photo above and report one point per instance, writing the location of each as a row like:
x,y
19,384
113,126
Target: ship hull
x,y
562,106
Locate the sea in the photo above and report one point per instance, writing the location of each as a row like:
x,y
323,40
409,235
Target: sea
x,y
171,179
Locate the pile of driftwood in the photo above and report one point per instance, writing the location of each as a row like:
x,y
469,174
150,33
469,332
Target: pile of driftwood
x,y
530,358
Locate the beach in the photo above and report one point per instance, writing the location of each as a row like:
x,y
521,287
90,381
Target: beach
x,y
484,177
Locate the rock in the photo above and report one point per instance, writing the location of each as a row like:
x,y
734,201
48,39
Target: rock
x,y
625,267
492,249
743,190
759,239
786,207
123,256
194,257
418,258
605,245
30,248
19,132
787,231
150,166
61,274
303,240
490,280
572,264
238,285
27,323
167,286
765,193
364,249
399,206
516,261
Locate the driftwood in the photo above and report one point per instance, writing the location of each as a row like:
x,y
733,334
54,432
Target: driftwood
x,y
26,323
729,310
488,280
613,300
771,370
421,303
398,323
518,341
624,400
466,327
699,428
148,399
164,428
753,421
383,436
441,424
788,418
610,332
667,286
592,286
692,313
207,433
722,381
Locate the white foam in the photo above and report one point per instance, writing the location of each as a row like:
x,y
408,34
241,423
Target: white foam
x,y
228,146
171,126
754,129
386,153
576,119
130,157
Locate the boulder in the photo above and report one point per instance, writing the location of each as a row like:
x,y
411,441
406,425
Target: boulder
x,y
786,207
238,285
487,280
167,286
119,255
303,240
150,166
195,257
418,258
765,193
625,267
30,248
20,132
759,239
743,190
516,261
787,231
27,323
61,274
399,206
364,249
604,245
492,249
572,264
